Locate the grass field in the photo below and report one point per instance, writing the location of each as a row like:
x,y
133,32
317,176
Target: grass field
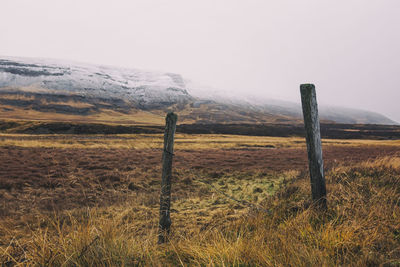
x,y
92,200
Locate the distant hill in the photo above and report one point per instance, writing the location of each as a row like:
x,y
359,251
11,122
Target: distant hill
x,y
42,89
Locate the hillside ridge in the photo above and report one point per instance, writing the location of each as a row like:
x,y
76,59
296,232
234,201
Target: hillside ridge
x,y
49,89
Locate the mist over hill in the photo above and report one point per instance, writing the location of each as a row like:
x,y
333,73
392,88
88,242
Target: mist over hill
x,y
44,89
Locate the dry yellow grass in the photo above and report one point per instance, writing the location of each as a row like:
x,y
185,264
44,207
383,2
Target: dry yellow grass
x,y
182,141
106,116
360,228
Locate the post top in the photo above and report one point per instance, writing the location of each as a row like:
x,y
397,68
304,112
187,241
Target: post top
x,y
307,85
171,116
307,88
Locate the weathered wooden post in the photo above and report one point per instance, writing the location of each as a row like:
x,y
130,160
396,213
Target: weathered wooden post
x,y
165,198
314,148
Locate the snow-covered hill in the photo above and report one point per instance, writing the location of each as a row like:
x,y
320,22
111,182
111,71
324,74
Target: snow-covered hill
x,y
45,85
59,77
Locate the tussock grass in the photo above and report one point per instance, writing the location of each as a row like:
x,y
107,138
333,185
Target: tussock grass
x,y
360,228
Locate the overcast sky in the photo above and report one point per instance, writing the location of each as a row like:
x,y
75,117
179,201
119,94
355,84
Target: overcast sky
x,y
349,48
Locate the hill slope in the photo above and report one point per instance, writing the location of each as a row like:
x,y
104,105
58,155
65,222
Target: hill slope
x,y
44,89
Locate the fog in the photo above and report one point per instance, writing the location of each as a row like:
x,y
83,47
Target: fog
x,y
350,49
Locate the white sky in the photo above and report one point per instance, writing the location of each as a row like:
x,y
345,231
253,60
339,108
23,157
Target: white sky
x,y
349,48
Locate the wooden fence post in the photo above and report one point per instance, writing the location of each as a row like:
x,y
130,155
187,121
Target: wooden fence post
x,y
314,148
165,198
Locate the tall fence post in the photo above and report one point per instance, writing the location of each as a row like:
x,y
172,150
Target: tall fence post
x,y
165,198
314,148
